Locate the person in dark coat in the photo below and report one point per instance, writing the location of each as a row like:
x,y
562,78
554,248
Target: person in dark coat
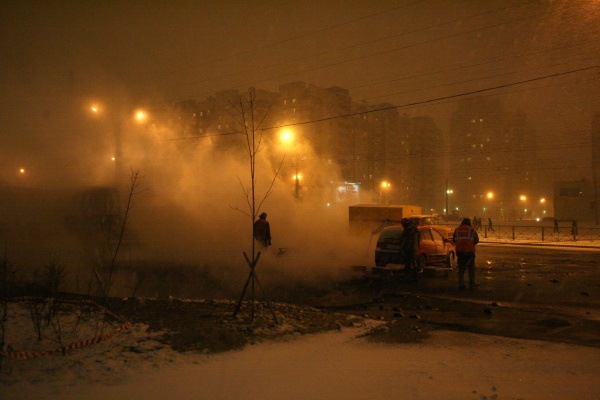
x,y
409,248
490,225
262,231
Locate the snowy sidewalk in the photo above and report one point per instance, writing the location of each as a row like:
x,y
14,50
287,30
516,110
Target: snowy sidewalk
x,y
336,365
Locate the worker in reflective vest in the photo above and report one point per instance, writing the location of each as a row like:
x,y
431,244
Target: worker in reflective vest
x,y
465,238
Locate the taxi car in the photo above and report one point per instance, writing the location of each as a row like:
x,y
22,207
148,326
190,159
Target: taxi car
x,y
433,247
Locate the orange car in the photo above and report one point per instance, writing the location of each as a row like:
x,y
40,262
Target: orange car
x,y
434,247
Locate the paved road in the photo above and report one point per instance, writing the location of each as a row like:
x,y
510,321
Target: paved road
x,y
527,292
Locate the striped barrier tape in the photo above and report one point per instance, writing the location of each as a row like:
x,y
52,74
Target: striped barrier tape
x,y
28,355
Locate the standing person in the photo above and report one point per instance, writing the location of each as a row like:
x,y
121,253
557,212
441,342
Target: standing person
x,y
262,231
574,230
409,248
465,238
490,225
555,225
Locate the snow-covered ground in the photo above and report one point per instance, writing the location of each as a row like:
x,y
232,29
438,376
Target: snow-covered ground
x,y
334,365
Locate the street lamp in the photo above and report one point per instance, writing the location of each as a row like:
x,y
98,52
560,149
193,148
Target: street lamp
x,y
139,116
287,137
385,186
523,199
448,193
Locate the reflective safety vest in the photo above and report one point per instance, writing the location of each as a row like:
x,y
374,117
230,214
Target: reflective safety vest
x,y
464,239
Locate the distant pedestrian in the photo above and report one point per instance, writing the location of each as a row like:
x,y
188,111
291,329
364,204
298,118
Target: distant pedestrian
x,y
465,238
574,230
409,248
555,225
262,231
490,225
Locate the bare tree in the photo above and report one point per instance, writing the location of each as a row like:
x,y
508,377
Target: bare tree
x,y
253,134
134,189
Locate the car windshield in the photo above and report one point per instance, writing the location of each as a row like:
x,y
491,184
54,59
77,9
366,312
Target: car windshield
x,y
424,221
391,234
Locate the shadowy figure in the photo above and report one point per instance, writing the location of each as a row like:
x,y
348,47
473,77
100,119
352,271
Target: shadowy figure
x,y
409,248
555,225
262,231
574,230
490,225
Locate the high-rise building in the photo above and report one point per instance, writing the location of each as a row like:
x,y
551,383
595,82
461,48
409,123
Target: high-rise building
x,y
348,143
492,161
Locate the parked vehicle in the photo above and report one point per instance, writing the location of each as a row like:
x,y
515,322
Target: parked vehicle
x,y
434,247
434,222
368,217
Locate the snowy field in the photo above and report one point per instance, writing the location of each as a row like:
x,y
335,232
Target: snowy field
x,y
335,365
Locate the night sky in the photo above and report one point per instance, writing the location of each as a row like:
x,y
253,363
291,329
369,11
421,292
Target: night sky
x,y
57,57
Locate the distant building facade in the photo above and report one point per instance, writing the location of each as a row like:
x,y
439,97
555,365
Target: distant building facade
x,y
492,161
363,144
575,200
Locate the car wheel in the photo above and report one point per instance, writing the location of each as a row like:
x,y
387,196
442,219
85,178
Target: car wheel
x,y
450,259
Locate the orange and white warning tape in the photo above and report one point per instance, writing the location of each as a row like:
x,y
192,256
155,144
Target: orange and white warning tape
x,y
26,355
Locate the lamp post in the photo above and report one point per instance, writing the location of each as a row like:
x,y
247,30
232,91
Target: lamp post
x,y
385,188
448,192
140,116
287,137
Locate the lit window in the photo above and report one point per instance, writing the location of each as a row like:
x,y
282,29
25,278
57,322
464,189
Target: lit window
x,y
488,158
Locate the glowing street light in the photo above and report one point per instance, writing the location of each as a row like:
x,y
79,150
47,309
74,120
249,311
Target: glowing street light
x,y
288,139
385,187
490,195
448,193
287,136
141,116
523,197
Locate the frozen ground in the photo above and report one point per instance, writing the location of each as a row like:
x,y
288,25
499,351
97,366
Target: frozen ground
x,y
135,364
335,365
